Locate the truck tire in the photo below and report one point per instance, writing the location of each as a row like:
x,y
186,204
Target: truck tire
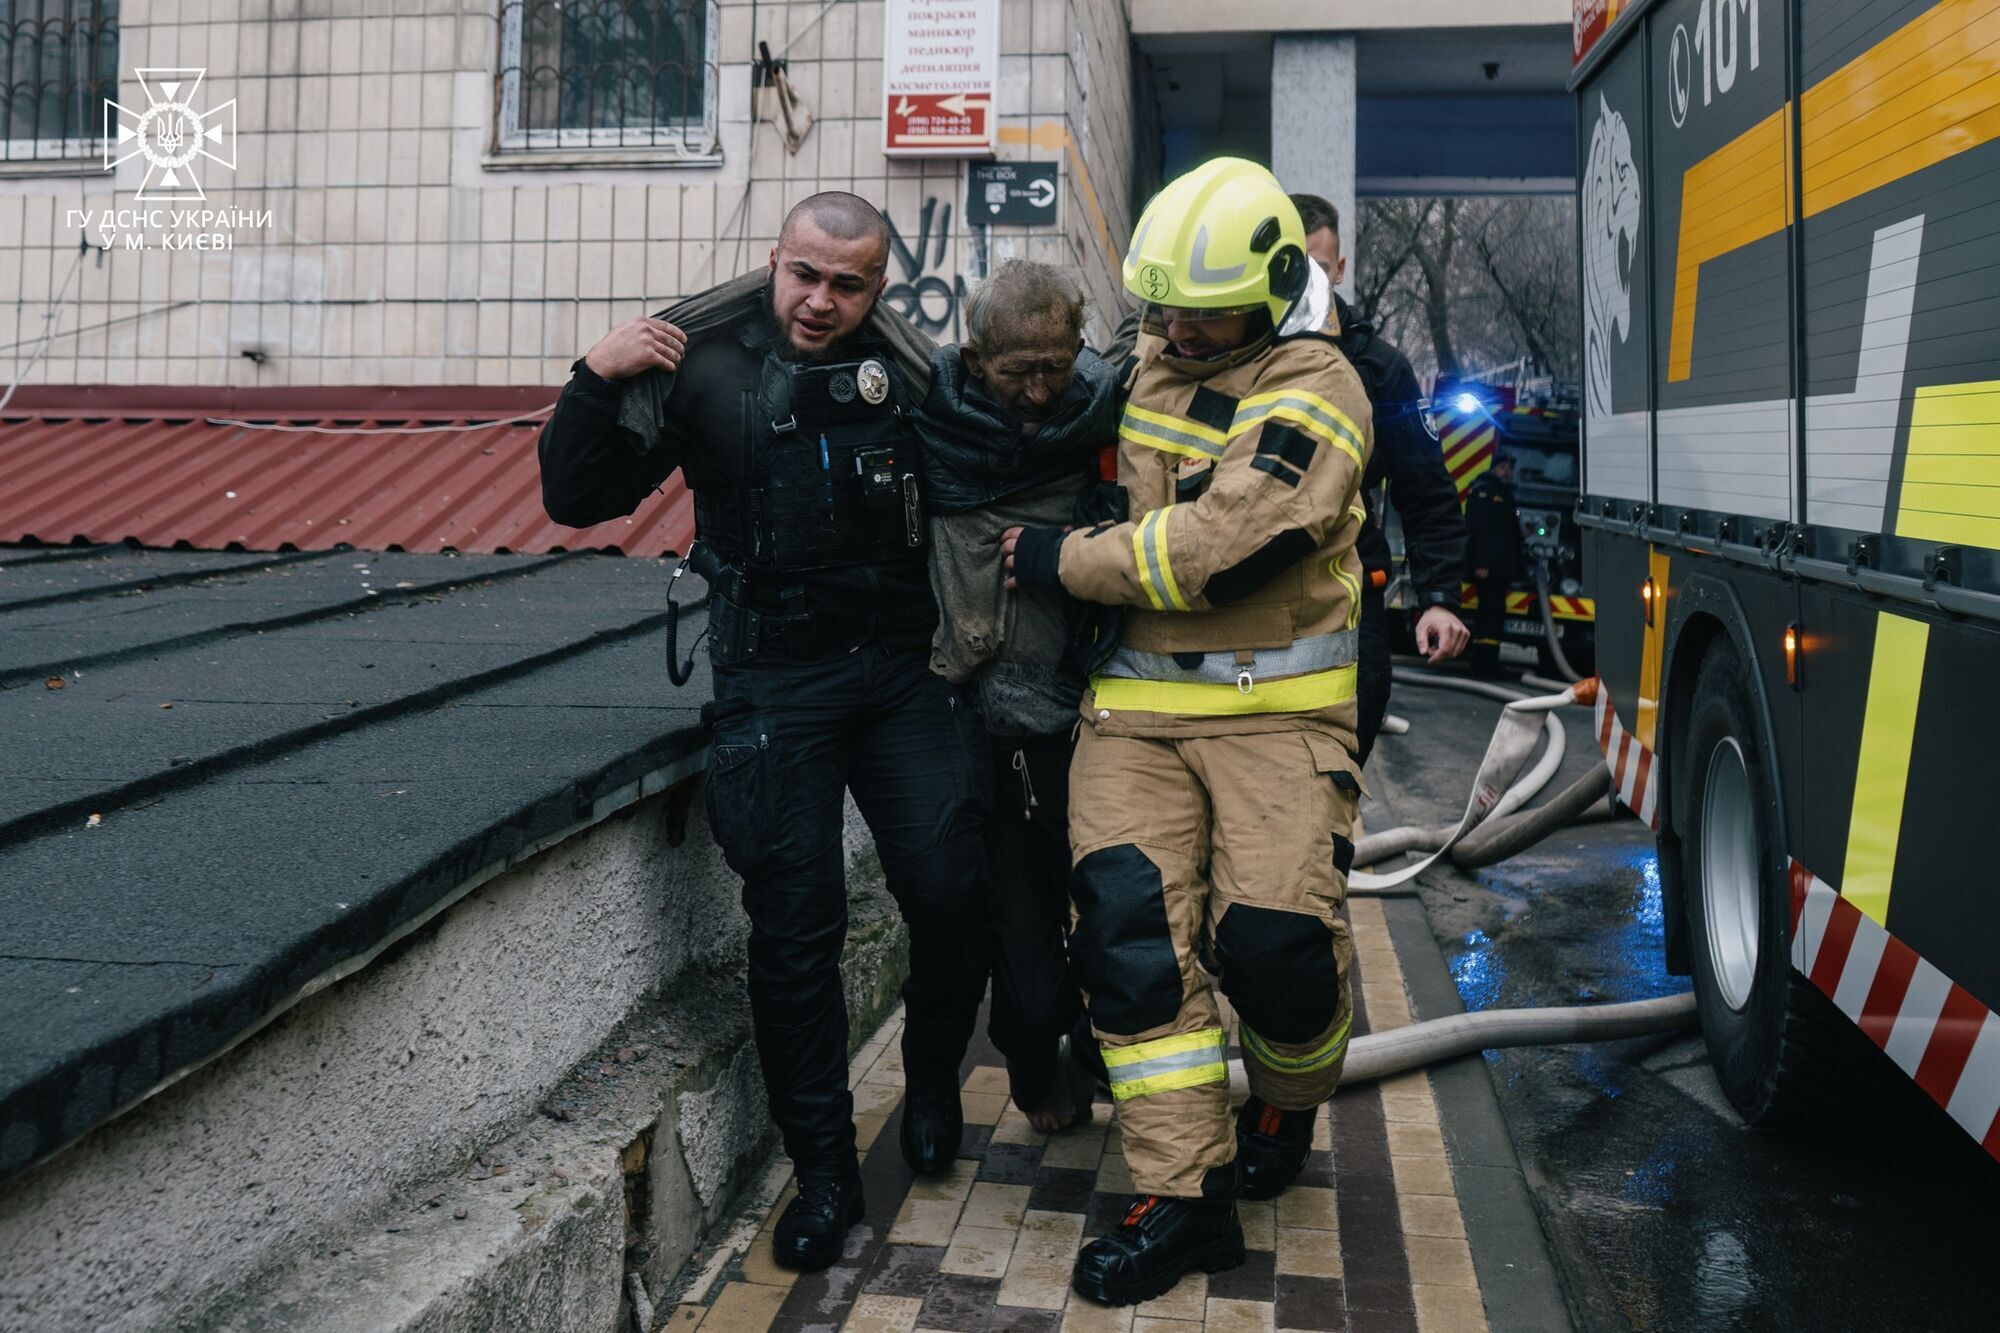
x,y
1771,1037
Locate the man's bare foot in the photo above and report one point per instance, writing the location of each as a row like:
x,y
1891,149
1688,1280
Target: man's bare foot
x,y
1048,1122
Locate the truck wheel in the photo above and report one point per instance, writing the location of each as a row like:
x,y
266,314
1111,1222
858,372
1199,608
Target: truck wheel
x,y
1766,1027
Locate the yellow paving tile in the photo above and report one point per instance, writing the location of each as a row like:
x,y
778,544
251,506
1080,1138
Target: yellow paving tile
x,y
991,1205
1079,1147
883,1314
987,1078
1082,1315
925,1222
1387,1006
1304,1253
1038,1275
1407,1140
744,1307
1187,1301
1323,1133
1413,1108
1431,1215
982,1108
888,1078
1378,962
979,1251
955,1183
877,1098
1260,1223
1422,1175
866,1130
761,1268
1014,1127
1239,1316
1449,1310
1307,1206
1440,1261
1145,1325
684,1318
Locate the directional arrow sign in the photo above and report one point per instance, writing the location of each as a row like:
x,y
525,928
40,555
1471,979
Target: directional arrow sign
x,y
1012,194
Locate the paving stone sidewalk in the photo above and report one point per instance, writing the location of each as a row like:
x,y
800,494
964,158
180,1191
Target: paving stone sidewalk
x,y
1370,1238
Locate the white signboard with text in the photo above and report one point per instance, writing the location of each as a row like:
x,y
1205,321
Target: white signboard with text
x,y
940,68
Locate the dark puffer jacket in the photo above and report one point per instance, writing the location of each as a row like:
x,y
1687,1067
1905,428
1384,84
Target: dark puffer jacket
x,y
983,477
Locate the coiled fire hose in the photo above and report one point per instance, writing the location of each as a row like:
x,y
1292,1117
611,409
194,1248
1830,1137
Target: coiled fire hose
x,y
1491,832
1498,789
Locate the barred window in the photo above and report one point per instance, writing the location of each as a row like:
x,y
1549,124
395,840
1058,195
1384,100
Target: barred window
x,y
58,64
608,74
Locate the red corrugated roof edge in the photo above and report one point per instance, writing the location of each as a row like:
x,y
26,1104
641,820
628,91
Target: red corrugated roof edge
x,y
149,464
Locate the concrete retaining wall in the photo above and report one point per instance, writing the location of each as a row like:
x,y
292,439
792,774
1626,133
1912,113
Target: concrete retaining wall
x,y
314,1176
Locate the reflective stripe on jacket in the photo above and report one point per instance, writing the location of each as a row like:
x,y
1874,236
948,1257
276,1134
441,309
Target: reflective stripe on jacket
x,y
1243,476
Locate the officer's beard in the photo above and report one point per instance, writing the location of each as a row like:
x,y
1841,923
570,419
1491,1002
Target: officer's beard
x,y
786,350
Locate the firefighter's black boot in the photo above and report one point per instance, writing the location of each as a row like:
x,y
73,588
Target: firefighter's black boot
x,y
1159,1240
813,1229
1271,1147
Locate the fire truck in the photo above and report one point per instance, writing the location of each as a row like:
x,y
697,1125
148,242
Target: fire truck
x,y
1789,221
1475,421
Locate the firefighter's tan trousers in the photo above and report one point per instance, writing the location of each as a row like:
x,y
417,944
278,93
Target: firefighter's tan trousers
x,y
1229,851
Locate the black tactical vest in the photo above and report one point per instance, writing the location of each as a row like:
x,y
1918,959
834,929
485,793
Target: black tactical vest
x,y
833,472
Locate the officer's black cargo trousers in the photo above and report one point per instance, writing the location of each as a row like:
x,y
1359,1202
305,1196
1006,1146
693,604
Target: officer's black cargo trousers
x,y
789,737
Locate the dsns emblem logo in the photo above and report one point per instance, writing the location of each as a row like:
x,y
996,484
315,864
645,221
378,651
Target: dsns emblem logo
x,y
171,132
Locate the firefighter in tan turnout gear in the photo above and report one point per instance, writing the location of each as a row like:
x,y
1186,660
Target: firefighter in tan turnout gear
x,y
1214,786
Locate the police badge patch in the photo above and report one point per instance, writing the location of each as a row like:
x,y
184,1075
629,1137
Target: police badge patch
x,y
873,380
841,388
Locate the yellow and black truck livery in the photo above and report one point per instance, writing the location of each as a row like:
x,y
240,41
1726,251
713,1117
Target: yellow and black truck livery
x,y
1789,231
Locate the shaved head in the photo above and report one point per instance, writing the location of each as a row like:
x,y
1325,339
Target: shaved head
x,y
843,216
830,263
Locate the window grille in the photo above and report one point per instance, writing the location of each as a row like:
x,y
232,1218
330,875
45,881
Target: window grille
x,y
58,64
596,74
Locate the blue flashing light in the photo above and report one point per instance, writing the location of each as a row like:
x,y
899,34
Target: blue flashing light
x,y
1468,402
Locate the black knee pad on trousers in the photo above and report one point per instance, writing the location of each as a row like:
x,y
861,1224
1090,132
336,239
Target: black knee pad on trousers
x,y
1122,949
1278,970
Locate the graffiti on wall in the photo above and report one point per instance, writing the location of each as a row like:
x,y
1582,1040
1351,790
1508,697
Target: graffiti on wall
x,y
921,286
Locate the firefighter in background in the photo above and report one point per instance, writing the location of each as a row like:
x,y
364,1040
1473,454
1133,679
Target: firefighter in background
x,y
1407,467
1493,549
1214,787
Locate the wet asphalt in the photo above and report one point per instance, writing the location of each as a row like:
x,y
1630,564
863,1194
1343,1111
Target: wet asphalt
x,y
1661,1209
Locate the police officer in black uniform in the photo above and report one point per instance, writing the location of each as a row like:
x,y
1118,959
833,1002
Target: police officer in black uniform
x,y
789,428
1409,464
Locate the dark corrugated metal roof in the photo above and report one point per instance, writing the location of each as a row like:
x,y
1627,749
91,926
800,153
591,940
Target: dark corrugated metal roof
x,y
170,476
225,777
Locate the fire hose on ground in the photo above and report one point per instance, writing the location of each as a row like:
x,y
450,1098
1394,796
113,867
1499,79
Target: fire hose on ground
x,y
1494,828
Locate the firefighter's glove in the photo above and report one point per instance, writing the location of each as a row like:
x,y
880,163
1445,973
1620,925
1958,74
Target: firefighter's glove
x,y
1038,558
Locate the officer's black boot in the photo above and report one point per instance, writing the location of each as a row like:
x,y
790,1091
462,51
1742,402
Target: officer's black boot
x,y
810,1234
1159,1240
933,1119
1271,1147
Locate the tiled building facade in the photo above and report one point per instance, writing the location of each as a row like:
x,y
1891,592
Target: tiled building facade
x,y
449,205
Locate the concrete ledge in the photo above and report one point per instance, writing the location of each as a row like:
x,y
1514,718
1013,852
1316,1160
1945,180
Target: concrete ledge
x,y
313,1176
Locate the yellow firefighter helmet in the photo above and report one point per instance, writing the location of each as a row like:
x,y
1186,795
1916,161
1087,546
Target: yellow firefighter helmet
x,y
1223,237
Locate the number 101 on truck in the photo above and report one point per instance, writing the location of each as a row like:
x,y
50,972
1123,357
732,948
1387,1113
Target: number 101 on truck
x,y
1789,230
